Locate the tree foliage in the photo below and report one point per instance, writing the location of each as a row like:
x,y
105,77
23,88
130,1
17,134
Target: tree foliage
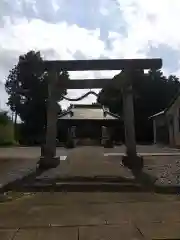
x,y
6,129
4,118
27,88
152,94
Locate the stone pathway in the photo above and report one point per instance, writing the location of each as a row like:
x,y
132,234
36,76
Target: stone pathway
x,y
14,169
147,154
91,216
34,152
90,162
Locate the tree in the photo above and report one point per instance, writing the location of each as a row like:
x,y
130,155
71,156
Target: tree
x,y
4,118
152,94
6,129
27,87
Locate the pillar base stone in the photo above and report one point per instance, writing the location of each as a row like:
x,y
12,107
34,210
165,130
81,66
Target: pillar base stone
x,y
48,162
133,163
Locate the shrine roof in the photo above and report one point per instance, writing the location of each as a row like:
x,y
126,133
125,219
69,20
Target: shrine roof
x,y
88,112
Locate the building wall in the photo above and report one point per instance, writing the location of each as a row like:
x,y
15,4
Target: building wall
x,y
90,129
174,128
162,135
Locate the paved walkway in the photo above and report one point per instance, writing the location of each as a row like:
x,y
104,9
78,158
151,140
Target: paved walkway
x,y
34,152
88,162
144,154
91,216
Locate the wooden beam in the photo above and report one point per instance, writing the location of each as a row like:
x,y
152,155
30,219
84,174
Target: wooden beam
x,y
103,64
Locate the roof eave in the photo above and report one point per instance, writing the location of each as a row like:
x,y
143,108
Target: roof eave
x,y
157,114
64,114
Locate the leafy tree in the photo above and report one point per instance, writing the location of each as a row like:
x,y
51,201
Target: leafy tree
x,y
27,87
152,94
4,118
6,130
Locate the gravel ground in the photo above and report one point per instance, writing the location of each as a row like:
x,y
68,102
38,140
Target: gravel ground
x,y
166,169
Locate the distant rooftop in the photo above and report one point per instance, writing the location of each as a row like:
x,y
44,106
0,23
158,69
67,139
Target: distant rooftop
x,y
157,114
88,111
174,99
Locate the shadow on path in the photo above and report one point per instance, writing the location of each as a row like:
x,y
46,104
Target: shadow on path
x,y
18,182
142,182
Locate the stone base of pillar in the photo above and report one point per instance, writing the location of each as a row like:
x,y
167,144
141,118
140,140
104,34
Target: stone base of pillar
x,y
133,163
70,144
108,144
48,162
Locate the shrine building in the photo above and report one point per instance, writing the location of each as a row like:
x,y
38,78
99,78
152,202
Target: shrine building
x,y
89,122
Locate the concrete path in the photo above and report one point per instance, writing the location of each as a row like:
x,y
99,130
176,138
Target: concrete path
x,y
17,162
26,152
91,216
15,168
34,152
86,162
147,154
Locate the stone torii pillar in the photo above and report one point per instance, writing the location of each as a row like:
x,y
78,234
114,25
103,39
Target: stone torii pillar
x,y
48,157
128,110
131,160
104,134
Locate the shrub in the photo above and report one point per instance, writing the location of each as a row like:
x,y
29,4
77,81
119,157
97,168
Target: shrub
x,y
4,118
6,130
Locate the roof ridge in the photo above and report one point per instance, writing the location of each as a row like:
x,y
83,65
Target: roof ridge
x,y
99,106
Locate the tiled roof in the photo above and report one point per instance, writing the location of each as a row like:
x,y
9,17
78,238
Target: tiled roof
x,y
93,112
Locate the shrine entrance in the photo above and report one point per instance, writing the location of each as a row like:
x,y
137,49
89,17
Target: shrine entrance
x,y
88,124
122,81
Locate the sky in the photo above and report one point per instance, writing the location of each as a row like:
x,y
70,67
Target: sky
x,y
89,29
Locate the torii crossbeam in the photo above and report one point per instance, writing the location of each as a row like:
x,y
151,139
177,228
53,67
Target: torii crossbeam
x,y
49,158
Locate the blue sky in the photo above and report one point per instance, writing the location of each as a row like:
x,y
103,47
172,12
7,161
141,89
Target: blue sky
x,y
87,29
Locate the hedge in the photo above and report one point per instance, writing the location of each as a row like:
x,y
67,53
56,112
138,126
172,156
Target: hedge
x,y
6,130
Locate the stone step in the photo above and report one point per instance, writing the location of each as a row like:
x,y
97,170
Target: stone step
x,y
90,186
84,179
80,187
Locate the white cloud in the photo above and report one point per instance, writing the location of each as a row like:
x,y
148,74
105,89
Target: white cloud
x,y
3,98
149,26
152,21
61,37
110,28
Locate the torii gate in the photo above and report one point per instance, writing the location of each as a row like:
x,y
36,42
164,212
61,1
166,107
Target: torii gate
x,y
124,80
